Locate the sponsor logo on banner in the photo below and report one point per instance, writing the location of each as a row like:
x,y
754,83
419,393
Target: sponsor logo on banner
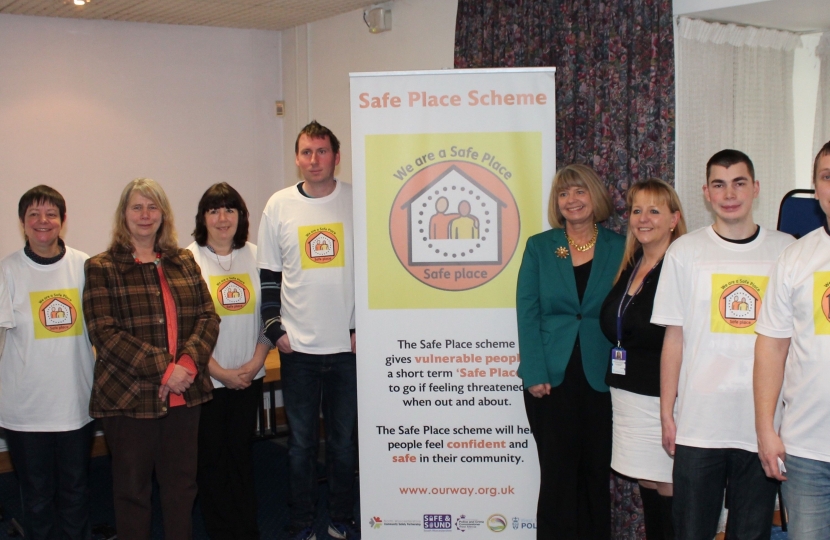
x,y
497,523
375,522
454,225
463,523
437,522
523,523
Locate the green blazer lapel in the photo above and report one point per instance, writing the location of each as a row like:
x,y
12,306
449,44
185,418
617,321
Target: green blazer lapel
x,y
602,252
564,267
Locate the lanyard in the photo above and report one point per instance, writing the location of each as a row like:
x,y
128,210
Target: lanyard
x,y
623,304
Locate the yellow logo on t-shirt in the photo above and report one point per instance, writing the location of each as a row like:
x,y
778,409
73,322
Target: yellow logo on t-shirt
x,y
736,302
821,302
233,294
56,313
322,246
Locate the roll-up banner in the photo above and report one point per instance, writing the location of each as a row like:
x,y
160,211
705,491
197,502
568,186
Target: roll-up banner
x,y
451,175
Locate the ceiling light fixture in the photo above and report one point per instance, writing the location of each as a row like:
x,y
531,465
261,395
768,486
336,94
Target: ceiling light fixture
x,y
378,17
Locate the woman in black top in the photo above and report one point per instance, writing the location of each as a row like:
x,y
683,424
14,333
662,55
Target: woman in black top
x,y
655,221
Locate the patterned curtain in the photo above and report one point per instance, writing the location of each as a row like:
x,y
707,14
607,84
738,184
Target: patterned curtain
x,y
614,75
614,98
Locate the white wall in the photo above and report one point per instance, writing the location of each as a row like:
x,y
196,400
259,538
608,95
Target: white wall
x,y
318,57
86,106
806,70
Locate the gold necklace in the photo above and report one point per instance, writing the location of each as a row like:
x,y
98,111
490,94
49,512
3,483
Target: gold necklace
x,y
586,246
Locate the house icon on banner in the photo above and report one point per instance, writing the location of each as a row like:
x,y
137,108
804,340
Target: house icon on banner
x,y
454,220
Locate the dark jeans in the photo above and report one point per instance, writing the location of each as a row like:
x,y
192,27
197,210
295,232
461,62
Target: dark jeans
x,y
167,446
572,429
53,471
700,477
309,380
226,482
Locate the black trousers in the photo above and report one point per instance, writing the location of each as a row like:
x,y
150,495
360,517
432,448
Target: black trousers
x,y
53,471
141,446
572,429
226,483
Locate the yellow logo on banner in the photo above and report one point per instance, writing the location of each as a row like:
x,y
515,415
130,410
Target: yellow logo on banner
x,y
233,294
821,302
736,302
447,214
56,313
321,246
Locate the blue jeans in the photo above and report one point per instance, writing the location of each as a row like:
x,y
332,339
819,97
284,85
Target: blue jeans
x,y
53,471
700,477
309,380
807,498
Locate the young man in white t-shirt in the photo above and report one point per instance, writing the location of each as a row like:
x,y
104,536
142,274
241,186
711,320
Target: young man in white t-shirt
x,y
307,274
710,292
791,351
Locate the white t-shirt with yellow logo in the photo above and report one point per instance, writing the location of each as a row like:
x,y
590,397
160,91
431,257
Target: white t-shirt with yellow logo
x,y
233,281
798,307
309,240
714,289
46,370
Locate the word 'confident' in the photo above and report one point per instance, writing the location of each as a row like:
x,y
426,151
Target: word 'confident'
x,y
474,98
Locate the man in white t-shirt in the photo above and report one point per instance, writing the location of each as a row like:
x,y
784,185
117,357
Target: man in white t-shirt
x,y
307,274
791,352
710,292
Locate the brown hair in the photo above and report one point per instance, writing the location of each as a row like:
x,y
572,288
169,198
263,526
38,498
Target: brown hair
x,y
663,193
314,130
166,240
576,175
222,195
727,158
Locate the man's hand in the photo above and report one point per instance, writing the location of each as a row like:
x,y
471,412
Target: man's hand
x,y
284,345
354,343
669,434
770,450
539,390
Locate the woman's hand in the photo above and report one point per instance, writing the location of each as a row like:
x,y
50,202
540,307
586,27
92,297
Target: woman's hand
x,y
234,379
539,390
180,380
669,434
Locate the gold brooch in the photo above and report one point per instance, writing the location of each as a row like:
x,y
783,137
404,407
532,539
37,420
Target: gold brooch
x,y
562,252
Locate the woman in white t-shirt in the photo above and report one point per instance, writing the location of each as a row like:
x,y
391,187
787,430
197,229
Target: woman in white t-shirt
x,y
227,424
46,372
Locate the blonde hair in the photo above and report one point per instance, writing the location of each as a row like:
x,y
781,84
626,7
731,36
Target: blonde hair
x,y
575,175
166,239
662,193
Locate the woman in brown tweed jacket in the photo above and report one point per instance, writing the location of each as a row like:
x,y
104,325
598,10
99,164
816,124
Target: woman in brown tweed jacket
x,y
151,319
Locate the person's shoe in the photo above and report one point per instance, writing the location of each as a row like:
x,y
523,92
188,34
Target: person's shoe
x,y
302,534
344,530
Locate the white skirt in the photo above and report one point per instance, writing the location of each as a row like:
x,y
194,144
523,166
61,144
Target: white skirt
x,y
638,438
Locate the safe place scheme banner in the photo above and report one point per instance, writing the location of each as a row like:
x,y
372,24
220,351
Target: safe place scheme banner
x,y
451,171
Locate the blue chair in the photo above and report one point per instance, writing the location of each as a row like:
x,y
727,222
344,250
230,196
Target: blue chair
x,y
800,213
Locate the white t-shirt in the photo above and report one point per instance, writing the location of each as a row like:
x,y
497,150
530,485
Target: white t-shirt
x,y
46,371
6,314
233,281
714,290
310,241
798,307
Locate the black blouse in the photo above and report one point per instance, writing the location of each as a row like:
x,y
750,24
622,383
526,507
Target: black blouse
x,y
642,341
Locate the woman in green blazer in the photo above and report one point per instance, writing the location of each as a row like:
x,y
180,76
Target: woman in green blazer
x,y
566,274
